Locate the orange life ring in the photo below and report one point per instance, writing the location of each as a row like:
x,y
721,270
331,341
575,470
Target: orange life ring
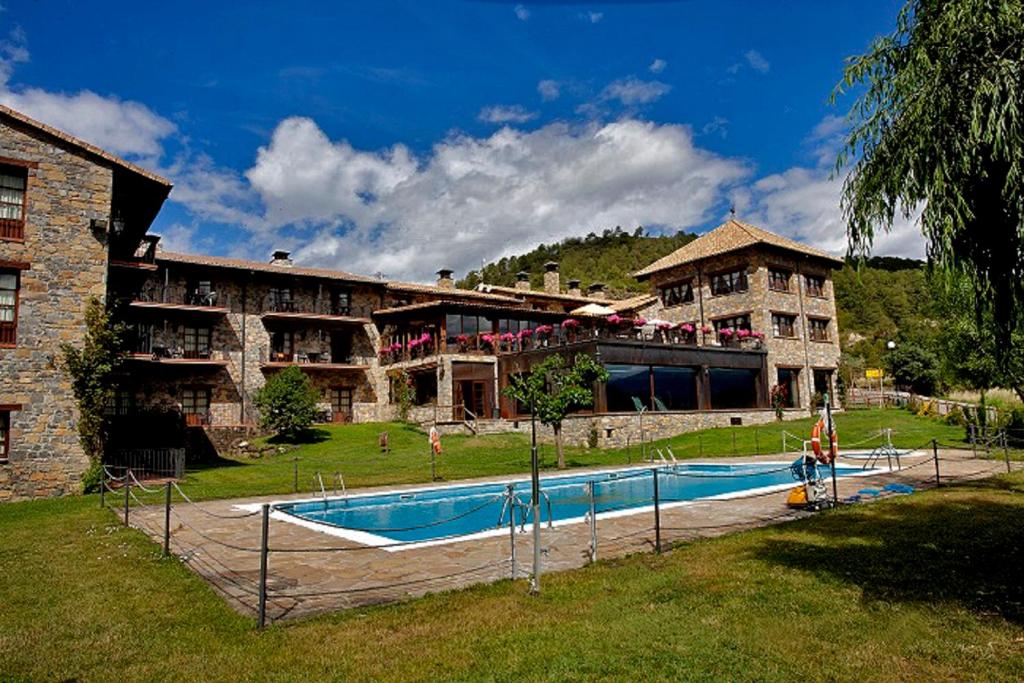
x,y
435,441
833,444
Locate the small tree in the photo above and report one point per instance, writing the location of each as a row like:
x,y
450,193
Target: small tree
x,y
403,392
552,391
780,399
914,367
287,403
92,369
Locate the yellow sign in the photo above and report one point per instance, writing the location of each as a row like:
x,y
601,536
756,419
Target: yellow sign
x,y
874,373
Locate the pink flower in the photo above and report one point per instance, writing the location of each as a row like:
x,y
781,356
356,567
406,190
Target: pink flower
x,y
687,328
742,334
487,339
526,332
570,323
725,332
614,319
544,330
665,327
507,337
640,321
706,329
462,339
757,335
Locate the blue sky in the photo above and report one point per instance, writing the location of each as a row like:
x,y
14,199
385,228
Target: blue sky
x,y
402,137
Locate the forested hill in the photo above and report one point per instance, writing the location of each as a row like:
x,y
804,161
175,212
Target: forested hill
x,y
883,298
609,258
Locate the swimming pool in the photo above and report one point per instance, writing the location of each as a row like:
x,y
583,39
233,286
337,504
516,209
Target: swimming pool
x,y
458,512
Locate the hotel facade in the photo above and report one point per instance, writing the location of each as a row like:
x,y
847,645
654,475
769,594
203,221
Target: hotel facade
x,y
725,319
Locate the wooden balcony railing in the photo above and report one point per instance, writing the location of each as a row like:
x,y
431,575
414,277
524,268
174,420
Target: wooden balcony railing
x,y
12,229
183,296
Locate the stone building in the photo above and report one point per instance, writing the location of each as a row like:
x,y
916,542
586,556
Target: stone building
x,y
206,332
67,209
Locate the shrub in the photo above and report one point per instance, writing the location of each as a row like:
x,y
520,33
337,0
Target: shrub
x,y
780,397
592,437
287,403
403,392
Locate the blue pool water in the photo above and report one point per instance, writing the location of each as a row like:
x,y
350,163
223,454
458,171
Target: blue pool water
x,y
430,514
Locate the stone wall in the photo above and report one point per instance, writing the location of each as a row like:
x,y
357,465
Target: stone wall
x,y
65,192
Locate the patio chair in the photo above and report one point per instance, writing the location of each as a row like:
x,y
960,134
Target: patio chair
x,y
638,405
659,405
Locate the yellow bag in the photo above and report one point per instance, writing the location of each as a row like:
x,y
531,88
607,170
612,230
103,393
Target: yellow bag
x,y
797,497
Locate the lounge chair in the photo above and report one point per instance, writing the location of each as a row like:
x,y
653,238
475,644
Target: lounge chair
x,y
638,405
659,406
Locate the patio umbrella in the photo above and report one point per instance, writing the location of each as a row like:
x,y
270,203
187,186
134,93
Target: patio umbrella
x,y
592,309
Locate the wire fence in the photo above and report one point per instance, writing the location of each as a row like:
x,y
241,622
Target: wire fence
x,y
579,517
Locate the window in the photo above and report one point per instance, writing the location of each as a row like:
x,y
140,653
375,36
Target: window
x,y
201,293
822,386
790,379
657,387
679,293
818,328
733,388
282,346
341,302
5,434
469,325
195,404
729,283
140,336
12,202
674,388
778,280
341,404
8,307
815,285
736,322
281,300
197,342
122,402
783,325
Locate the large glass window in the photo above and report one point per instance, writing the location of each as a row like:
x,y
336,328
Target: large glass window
x,y
778,280
733,388
195,404
197,342
8,307
628,388
729,282
679,293
822,386
468,325
815,285
818,329
736,322
674,388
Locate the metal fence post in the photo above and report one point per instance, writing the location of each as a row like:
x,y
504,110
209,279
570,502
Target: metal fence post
x,y
1006,451
974,441
167,520
103,486
935,454
127,492
733,430
757,443
700,446
512,525
262,615
593,522
657,513
296,475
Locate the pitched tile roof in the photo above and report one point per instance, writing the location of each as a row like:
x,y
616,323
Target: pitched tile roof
x,y
449,292
633,303
242,264
91,149
540,294
730,236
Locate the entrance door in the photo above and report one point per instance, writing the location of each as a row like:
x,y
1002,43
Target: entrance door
x,y
341,404
473,389
473,397
341,347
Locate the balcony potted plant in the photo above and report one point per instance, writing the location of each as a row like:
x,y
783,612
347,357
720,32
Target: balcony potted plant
x,y
543,333
507,341
488,342
663,333
706,331
572,328
525,338
726,336
687,333
463,342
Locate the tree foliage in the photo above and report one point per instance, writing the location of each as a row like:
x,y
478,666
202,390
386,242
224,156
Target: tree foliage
x,y
937,128
287,403
915,368
92,369
552,390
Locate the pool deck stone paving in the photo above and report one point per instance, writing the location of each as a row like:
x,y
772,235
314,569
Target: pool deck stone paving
x,y
312,572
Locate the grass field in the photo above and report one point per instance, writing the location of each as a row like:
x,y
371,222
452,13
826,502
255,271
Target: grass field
x,y
352,450
926,587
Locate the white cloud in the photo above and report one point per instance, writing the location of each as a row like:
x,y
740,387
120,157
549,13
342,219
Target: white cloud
x,y
592,17
632,91
657,66
522,13
13,51
549,90
757,61
501,113
718,125
474,198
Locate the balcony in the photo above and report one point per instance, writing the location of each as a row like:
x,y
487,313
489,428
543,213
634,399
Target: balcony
x,y
146,352
311,360
279,309
184,299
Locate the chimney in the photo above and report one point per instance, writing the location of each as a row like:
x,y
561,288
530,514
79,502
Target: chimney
x,y
280,258
552,285
444,279
523,280
596,290
574,288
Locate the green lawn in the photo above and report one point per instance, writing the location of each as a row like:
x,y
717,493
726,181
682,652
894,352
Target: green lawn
x,y
926,587
352,450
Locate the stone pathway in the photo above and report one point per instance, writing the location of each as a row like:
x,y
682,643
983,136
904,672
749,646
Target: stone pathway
x,y
311,572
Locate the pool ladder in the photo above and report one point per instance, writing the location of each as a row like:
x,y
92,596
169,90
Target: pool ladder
x,y
336,482
512,500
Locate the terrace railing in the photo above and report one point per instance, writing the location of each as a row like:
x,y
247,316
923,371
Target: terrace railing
x,y
183,296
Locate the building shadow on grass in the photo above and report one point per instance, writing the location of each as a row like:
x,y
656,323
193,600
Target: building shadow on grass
x,y
307,436
965,549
